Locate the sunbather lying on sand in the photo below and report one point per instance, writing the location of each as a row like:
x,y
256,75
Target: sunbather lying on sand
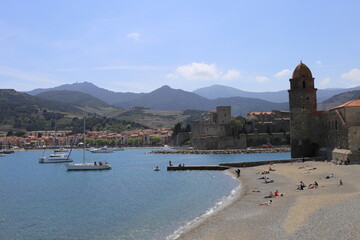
x,y
270,195
266,203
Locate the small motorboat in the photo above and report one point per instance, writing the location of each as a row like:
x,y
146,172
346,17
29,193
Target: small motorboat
x,y
157,169
2,154
56,158
61,150
102,150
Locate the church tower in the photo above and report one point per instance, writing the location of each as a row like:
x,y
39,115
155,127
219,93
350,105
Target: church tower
x,y
302,100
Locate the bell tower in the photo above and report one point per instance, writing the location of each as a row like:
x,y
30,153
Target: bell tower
x,y
302,100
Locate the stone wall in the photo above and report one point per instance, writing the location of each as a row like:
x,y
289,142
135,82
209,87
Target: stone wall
x,y
216,142
255,140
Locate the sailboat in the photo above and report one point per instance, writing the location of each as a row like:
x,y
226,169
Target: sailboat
x,y
56,157
84,165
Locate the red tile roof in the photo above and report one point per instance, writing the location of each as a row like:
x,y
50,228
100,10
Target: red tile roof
x,y
353,103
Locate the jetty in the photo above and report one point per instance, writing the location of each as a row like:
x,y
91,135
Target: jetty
x,y
224,151
204,168
225,166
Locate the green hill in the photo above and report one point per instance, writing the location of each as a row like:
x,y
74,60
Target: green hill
x,y
339,99
73,97
21,112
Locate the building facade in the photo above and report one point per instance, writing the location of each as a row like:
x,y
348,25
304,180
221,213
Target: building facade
x,y
333,134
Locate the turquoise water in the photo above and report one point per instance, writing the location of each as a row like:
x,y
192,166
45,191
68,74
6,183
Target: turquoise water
x,y
131,201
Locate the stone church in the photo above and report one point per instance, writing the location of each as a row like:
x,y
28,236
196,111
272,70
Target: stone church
x,y
333,134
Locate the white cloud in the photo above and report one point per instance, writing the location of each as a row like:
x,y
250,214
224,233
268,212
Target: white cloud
x,y
353,75
262,79
231,74
325,82
319,63
283,73
203,71
198,71
134,35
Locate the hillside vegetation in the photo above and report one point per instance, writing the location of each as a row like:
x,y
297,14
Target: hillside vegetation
x,y
21,112
74,98
339,99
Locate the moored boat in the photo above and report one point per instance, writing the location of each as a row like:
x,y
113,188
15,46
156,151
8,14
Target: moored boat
x,y
55,158
102,150
61,150
87,166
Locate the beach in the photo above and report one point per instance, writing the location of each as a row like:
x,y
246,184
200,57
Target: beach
x,y
330,211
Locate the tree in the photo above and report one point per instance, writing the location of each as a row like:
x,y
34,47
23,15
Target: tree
x,y
155,140
176,130
187,128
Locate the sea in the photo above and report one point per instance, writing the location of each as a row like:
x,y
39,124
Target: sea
x,y
130,201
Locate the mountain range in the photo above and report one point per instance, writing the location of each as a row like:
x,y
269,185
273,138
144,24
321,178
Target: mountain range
x,y
219,91
73,97
167,98
103,94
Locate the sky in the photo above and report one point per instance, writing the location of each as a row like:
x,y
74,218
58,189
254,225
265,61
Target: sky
x,y
139,46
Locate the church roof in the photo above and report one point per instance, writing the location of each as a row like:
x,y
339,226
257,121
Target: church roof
x,y
353,103
302,70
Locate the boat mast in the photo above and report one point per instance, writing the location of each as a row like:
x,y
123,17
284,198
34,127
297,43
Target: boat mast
x,y
84,142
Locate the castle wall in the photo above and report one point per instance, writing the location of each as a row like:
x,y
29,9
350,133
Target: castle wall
x,y
257,140
201,129
216,142
223,114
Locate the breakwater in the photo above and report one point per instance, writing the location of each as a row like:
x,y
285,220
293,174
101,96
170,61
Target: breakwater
x,y
192,167
224,151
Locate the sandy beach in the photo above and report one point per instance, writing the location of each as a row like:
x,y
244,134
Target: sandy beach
x,y
330,211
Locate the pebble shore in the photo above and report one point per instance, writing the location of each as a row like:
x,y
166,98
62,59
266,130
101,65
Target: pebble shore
x,y
331,211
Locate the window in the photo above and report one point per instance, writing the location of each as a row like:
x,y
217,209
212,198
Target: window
x,y
304,84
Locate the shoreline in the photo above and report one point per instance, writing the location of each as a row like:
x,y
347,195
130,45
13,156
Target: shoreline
x,y
219,206
299,214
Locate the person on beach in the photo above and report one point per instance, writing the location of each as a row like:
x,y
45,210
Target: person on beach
x,y
341,182
301,186
238,172
268,181
266,203
276,193
270,195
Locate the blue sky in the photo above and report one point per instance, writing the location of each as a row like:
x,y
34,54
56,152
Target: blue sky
x,y
139,46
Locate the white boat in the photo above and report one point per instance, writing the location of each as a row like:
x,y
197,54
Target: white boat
x,y
102,150
55,158
87,166
2,155
61,150
157,169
